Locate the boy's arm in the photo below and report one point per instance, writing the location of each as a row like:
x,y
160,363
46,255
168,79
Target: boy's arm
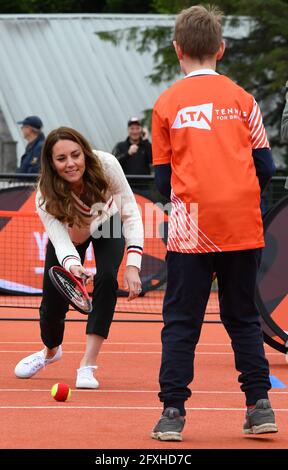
x,y
262,155
163,179
265,167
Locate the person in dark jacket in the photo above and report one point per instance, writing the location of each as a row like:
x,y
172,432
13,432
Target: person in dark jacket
x,y
134,154
31,128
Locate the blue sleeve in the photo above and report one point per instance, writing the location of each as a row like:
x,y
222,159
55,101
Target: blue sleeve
x,y
265,167
263,161
163,179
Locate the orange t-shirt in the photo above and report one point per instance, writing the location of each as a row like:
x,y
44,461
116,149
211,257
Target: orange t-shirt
x,y
206,126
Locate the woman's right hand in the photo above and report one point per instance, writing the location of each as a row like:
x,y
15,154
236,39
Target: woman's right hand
x,y
80,271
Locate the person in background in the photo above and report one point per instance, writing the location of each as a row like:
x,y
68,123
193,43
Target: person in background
x,y
31,128
134,154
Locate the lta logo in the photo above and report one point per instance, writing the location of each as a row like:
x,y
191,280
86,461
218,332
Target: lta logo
x,y
194,116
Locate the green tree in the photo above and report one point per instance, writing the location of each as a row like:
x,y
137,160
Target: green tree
x,y
52,6
257,61
170,6
75,6
125,6
174,6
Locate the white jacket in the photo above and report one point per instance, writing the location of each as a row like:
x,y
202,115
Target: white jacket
x,y
119,198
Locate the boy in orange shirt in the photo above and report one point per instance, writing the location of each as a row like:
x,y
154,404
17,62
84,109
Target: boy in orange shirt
x,y
212,159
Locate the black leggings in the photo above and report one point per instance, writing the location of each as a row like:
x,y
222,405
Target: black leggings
x,y
108,254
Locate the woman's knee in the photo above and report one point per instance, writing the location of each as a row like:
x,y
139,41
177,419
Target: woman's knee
x,y
53,312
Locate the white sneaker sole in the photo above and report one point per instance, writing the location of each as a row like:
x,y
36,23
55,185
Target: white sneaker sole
x,y
262,429
83,384
22,375
166,436
27,376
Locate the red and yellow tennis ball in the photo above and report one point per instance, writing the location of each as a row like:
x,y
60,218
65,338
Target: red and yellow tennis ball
x,y
61,392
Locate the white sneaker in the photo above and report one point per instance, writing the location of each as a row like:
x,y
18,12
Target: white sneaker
x,y
85,377
30,365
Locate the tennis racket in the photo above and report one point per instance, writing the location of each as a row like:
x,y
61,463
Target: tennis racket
x,y
272,287
72,288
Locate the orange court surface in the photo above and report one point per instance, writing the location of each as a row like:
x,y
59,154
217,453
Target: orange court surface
x,y
122,412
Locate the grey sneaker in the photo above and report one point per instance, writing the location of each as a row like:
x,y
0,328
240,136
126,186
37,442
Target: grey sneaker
x,y
261,419
169,426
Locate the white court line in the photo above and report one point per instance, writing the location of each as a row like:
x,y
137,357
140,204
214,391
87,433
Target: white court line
x,y
198,353
107,343
76,390
144,408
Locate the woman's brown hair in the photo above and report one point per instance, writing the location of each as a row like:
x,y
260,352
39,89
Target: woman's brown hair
x,y
56,192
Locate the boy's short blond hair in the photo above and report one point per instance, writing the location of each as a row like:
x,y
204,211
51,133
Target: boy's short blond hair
x,y
198,31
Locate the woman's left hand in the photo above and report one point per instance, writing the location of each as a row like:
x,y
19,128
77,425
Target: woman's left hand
x,y
132,282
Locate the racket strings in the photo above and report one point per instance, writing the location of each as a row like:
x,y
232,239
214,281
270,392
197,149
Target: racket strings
x,y
72,289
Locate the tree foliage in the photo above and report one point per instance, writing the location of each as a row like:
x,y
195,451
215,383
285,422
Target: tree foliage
x,y
75,6
33,6
257,61
124,6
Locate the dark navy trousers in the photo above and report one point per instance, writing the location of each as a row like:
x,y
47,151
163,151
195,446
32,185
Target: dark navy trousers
x,y
189,281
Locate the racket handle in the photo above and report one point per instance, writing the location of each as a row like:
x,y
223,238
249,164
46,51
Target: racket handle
x,y
84,276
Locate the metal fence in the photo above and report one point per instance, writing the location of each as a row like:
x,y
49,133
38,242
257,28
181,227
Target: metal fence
x,y
145,185
17,193
275,191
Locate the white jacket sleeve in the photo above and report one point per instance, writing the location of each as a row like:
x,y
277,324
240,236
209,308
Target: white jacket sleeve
x,y
128,210
66,252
